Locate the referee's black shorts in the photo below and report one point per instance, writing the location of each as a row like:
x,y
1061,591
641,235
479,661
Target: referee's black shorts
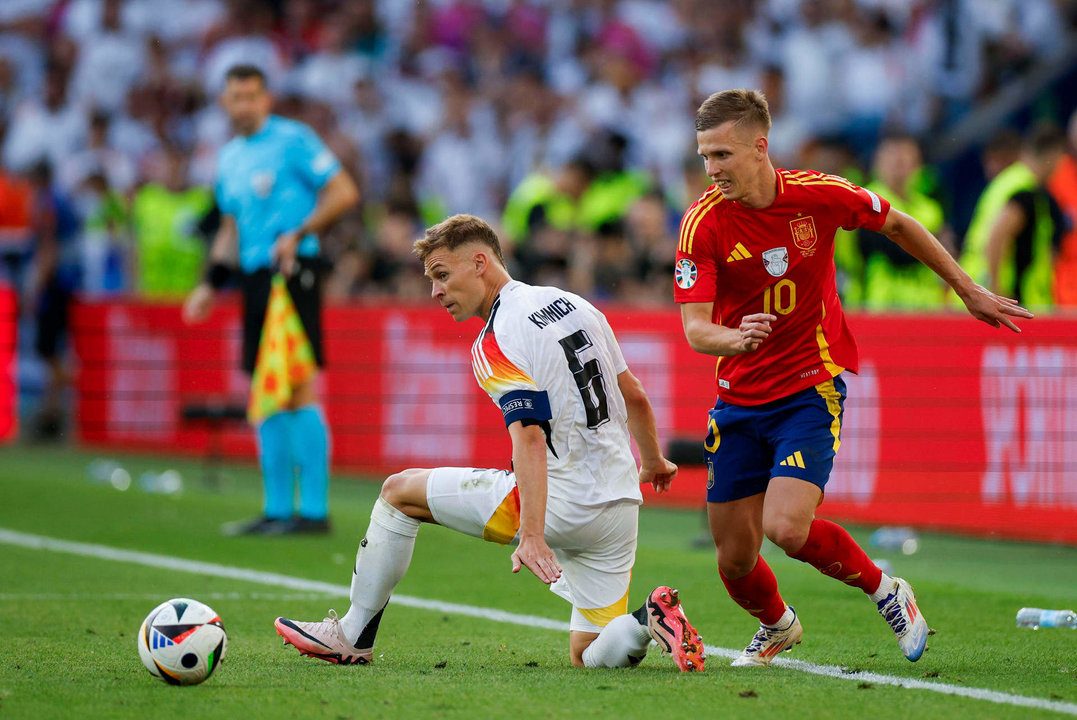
x,y
305,287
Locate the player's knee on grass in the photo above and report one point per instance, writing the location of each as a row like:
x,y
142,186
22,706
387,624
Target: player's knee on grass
x,y
406,491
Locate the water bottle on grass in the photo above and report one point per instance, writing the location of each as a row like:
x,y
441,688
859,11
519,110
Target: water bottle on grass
x,y
895,538
1036,618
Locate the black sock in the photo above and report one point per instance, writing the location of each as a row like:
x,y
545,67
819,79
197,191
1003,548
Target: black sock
x,y
366,638
641,615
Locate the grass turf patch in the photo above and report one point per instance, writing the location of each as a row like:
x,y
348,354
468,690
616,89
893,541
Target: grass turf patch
x,y
67,623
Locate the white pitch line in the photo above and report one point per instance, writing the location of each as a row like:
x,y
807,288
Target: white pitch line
x,y
81,597
104,552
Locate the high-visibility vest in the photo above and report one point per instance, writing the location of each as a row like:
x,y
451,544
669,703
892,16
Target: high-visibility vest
x,y
170,253
609,198
1038,276
912,286
537,190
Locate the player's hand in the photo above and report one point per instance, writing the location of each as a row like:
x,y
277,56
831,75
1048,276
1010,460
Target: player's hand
x,y
284,252
659,476
534,554
993,309
199,303
754,329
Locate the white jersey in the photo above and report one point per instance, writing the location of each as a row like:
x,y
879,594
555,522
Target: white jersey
x,y
548,356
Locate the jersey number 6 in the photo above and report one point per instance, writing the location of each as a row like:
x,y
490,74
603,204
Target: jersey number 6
x,y
588,377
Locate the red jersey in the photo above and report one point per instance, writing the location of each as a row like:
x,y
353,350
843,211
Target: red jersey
x,y
778,260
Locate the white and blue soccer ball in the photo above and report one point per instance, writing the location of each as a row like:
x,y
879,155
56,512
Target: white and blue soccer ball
x,y
182,641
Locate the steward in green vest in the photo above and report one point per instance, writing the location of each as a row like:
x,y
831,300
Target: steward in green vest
x,y
1016,226
579,198
882,276
542,200
610,197
169,250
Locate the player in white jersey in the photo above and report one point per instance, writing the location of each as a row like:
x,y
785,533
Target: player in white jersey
x,y
550,361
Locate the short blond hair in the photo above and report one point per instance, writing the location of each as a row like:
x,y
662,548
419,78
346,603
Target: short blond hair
x,y
743,107
456,231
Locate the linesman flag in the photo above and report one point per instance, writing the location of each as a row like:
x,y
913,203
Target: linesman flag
x,y
285,356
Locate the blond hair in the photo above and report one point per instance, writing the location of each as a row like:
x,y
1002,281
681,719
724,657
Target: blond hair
x,y
456,231
743,107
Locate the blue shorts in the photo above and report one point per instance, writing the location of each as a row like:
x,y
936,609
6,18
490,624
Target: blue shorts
x,y
796,436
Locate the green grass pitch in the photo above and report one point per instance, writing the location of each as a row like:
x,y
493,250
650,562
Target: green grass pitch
x,y
68,622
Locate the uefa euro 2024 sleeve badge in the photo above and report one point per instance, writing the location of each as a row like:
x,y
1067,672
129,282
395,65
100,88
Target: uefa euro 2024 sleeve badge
x,y
685,273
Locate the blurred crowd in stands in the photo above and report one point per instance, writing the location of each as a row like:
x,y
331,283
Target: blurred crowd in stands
x,y
570,122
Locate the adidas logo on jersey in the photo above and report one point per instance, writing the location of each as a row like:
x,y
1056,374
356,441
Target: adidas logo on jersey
x,y
739,253
794,460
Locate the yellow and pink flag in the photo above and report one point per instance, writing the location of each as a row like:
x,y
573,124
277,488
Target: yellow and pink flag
x,y
285,356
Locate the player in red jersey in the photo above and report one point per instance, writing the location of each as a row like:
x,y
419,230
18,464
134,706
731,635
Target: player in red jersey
x,y
756,281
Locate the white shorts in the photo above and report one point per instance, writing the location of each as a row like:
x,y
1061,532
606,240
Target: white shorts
x,y
596,547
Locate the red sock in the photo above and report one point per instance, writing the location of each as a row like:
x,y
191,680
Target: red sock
x,y
757,592
833,552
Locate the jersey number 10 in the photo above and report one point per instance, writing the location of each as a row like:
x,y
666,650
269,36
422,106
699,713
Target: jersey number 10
x,y
784,294
588,377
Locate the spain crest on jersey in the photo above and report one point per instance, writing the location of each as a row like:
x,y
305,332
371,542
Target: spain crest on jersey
x,y
685,273
804,235
776,261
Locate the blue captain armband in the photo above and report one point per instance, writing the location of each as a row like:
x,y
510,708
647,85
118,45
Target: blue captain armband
x,y
525,405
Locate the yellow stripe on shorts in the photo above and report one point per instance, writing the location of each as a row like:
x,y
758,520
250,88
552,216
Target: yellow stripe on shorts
x,y
503,525
830,394
603,616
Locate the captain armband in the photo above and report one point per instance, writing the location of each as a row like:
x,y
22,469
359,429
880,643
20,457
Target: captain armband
x,y
525,405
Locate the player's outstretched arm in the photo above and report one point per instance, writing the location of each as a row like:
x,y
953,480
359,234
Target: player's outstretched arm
x,y
654,469
982,304
529,462
704,336
222,253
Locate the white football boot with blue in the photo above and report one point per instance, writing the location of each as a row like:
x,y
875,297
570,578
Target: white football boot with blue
x,y
899,610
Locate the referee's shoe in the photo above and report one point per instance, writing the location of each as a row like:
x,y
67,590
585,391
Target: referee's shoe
x,y
263,525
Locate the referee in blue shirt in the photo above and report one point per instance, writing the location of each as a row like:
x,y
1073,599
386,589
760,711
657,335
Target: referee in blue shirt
x,y
278,187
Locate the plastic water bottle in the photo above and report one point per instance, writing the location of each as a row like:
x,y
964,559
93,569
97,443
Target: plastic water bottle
x,y
1036,618
120,479
147,481
100,470
896,538
169,482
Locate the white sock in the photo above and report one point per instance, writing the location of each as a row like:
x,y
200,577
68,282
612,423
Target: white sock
x,y
622,643
383,558
785,620
886,586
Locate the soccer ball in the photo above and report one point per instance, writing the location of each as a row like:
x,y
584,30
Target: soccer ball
x,y
182,641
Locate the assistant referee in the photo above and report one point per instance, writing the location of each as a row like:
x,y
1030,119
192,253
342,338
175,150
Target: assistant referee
x,y
278,187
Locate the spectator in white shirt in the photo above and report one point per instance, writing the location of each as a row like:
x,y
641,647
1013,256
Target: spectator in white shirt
x,y
330,74
48,127
110,62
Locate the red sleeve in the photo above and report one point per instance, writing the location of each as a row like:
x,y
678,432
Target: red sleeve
x,y
695,272
862,208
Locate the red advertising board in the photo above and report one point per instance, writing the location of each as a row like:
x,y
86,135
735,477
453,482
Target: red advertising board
x,y
8,389
950,424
